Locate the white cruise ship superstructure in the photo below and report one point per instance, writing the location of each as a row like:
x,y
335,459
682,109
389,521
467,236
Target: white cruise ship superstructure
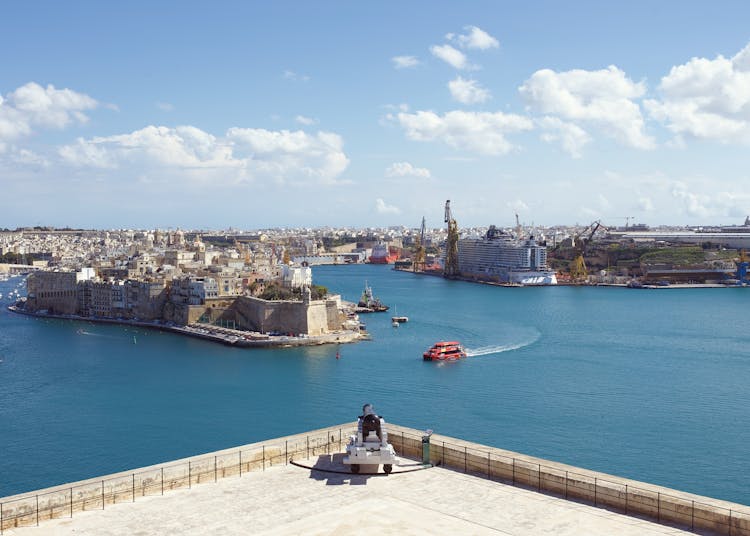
x,y
499,257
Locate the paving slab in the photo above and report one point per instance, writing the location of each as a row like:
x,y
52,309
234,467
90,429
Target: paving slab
x,y
322,498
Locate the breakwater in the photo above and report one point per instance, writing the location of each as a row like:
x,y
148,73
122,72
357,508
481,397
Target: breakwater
x,y
657,503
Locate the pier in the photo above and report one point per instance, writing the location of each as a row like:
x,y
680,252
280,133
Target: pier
x,y
292,485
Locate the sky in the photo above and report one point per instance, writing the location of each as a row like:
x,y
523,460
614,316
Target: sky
x,y
211,115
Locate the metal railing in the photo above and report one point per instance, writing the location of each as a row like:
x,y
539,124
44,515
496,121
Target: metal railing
x,y
621,497
97,494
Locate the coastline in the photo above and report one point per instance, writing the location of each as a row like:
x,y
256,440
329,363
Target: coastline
x,y
568,284
226,336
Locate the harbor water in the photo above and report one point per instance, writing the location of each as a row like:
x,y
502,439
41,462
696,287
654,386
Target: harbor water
x,y
646,384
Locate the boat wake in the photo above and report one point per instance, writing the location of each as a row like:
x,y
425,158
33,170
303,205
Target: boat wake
x,y
92,334
500,348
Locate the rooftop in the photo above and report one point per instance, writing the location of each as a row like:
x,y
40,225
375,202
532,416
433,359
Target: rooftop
x,y
299,485
288,499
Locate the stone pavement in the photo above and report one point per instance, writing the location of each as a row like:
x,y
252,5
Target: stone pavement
x,y
287,500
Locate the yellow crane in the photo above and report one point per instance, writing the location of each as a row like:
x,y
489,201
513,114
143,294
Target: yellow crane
x,y
578,270
451,244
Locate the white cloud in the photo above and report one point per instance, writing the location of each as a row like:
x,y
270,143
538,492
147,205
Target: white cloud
x,y
645,204
241,154
479,132
694,205
572,137
604,98
450,55
382,208
517,206
32,105
405,169
297,77
302,120
476,38
468,91
404,62
707,99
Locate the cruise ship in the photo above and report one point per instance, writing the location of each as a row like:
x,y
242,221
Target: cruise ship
x,y
501,258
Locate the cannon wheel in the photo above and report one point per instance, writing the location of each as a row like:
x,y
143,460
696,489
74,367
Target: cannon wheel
x,y
355,468
388,468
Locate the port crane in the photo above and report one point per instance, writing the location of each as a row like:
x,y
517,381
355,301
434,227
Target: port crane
x,y
578,270
742,266
419,253
451,244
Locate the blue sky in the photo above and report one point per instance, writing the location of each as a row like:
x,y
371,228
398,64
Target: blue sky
x,y
263,114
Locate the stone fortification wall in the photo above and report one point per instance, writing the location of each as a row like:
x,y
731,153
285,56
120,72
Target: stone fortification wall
x,y
335,318
56,292
670,507
98,493
630,497
283,316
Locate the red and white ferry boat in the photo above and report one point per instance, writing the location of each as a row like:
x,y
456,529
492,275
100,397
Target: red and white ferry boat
x,y
445,351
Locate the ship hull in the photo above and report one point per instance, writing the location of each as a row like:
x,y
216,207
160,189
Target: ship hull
x,y
388,259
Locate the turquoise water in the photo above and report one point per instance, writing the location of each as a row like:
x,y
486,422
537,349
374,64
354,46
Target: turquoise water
x,y
647,384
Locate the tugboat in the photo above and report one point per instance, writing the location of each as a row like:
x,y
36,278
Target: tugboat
x,y
370,446
445,351
368,303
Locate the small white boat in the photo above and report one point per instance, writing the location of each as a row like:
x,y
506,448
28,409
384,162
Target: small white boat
x,y
399,319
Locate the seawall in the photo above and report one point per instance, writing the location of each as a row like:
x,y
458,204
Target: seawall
x,y
630,497
223,336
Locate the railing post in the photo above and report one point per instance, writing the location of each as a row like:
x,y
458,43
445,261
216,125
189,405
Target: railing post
x,y
514,471
465,464
240,463
307,438
286,451
489,467
190,475
594,491
162,481
566,484
658,506
264,457
730,523
626,500
133,487
692,517
71,502
539,477
37,511
215,474
103,494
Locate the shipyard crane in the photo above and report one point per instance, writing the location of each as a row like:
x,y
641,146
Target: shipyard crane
x,y
451,244
419,253
578,270
742,266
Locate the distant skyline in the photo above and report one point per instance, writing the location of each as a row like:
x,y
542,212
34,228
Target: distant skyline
x,y
288,114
